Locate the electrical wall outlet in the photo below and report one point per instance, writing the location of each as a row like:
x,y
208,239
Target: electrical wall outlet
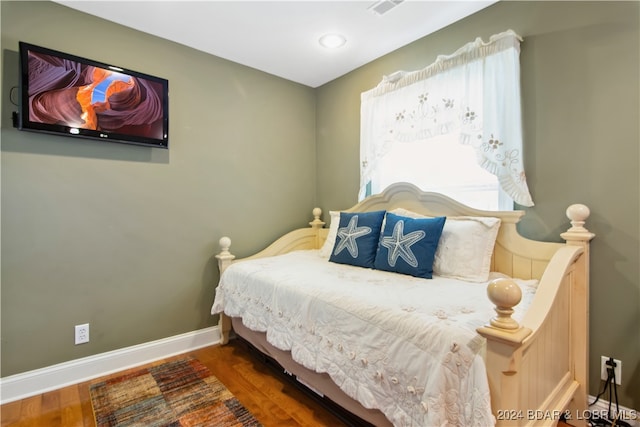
x,y
604,374
82,334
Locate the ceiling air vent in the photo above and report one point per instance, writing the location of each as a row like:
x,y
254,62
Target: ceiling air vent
x,y
383,6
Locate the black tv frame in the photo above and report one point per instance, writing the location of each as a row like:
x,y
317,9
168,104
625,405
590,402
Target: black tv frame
x,y
150,89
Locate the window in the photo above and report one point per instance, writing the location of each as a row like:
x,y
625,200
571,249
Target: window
x,y
453,127
443,165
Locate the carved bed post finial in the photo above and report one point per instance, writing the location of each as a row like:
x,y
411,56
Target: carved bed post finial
x,y
578,214
225,244
578,234
224,257
505,294
316,223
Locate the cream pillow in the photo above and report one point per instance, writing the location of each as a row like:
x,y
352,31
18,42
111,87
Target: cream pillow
x,y
327,247
465,247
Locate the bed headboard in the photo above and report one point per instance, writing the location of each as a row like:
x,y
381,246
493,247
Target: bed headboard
x,y
513,255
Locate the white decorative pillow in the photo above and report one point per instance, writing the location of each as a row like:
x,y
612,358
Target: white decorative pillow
x,y
465,247
327,247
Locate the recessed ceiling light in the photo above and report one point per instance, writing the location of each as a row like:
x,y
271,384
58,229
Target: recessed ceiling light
x,y
332,41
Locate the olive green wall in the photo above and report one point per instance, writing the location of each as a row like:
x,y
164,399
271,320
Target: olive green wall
x,y
580,81
122,236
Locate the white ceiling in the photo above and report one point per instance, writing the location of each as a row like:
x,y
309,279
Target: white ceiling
x,y
281,37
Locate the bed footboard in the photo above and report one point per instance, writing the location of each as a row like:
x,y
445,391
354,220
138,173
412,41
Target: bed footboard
x,y
538,370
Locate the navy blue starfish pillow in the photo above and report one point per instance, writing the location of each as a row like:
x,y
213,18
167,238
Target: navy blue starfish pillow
x,y
408,245
357,238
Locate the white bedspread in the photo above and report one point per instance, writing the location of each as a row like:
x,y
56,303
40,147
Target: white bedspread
x,y
403,345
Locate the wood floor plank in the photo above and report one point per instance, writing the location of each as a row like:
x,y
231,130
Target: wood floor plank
x,y
31,412
10,413
88,420
71,407
51,415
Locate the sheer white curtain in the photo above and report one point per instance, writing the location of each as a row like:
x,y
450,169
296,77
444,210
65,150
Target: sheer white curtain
x,y
474,92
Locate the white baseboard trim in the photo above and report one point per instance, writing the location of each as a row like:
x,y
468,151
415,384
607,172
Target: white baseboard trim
x,y
628,415
39,381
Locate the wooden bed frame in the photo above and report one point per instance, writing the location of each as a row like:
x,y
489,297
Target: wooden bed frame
x,y
538,369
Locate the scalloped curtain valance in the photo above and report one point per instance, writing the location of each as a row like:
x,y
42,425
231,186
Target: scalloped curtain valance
x,y
475,91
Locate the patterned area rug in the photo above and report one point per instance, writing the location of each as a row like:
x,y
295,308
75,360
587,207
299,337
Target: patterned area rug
x,y
180,393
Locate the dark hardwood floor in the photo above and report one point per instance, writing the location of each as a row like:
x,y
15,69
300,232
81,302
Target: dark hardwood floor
x,y
272,400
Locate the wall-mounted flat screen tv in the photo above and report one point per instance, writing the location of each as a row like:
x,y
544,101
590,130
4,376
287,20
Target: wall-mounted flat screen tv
x,y
69,95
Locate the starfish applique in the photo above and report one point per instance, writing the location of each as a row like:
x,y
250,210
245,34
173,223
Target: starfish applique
x,y
399,245
348,236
